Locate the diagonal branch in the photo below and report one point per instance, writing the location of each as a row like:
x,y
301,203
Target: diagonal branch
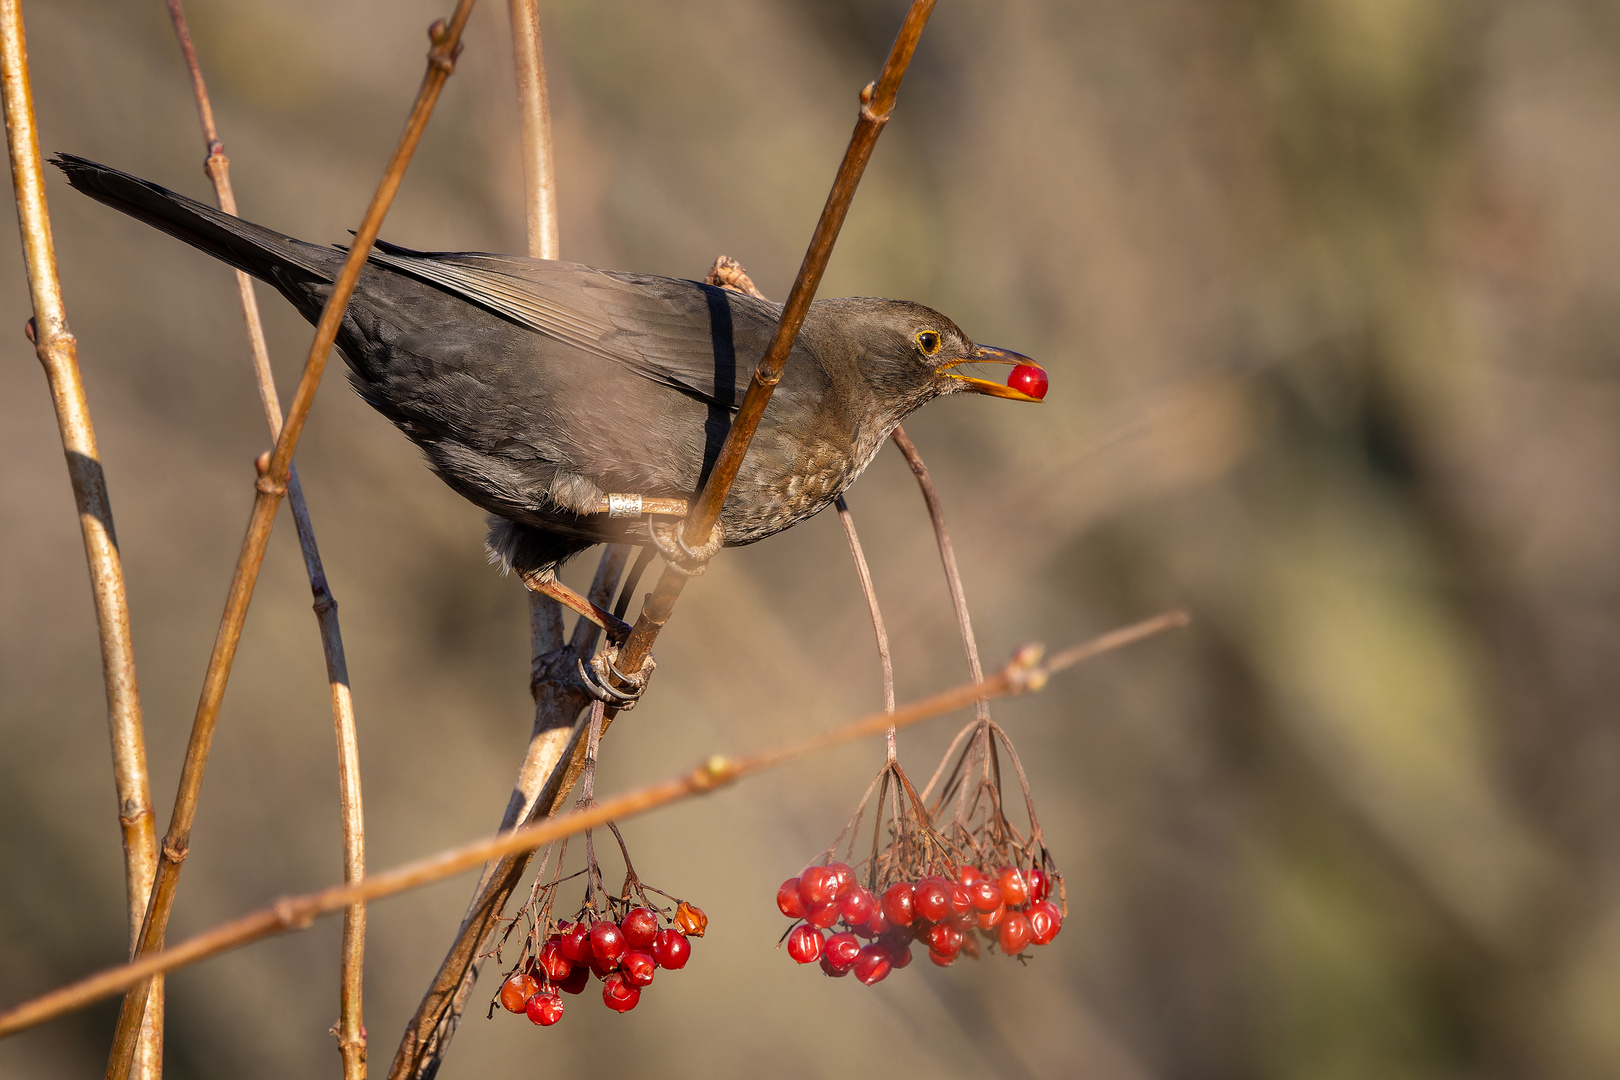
x,y
1023,674
877,103
271,486
351,1028
58,352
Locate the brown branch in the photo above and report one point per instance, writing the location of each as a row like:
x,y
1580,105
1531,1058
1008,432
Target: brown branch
x,y
271,486
58,353
947,555
351,1027
877,102
534,109
1023,673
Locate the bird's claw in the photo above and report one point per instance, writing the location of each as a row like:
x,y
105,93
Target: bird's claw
x,y
603,680
667,538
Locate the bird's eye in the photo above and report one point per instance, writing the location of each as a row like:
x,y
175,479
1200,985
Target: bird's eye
x,y
928,342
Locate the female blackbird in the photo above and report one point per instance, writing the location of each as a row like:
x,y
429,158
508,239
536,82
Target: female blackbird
x,y
537,389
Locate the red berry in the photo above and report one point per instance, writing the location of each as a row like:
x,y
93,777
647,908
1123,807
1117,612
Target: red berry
x,y
944,939
899,950
818,885
804,944
517,990
961,899
942,961
618,994
829,970
858,906
1014,889
1028,379
607,945
552,962
671,949
872,965
989,920
970,945
877,924
841,950
845,875
640,927
576,944
638,968
1015,933
932,898
986,895
575,981
545,1009
898,903
690,919
967,875
1045,920
822,916
1040,885
788,901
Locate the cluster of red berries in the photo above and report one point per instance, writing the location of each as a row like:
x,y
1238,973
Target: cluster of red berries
x,y
624,955
1009,910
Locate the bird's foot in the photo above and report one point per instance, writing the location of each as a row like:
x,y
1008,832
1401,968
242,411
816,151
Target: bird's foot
x,y
545,581
604,681
667,538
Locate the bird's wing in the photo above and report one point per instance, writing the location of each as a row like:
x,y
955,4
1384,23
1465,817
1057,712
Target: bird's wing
x,y
696,338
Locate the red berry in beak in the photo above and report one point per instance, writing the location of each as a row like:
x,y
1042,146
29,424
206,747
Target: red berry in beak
x,y
1028,380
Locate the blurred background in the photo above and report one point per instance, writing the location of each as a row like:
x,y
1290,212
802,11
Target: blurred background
x,y
1328,293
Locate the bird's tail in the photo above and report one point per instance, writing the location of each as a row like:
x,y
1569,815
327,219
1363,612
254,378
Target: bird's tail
x,y
262,252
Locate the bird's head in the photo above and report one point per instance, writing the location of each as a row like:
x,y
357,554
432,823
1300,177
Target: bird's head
x,y
913,354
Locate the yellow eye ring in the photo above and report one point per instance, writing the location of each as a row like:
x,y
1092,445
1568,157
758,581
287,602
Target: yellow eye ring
x,y
928,341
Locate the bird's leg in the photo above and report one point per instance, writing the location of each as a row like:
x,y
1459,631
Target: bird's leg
x,y
545,581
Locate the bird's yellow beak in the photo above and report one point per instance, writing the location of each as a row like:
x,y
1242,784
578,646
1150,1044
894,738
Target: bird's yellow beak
x,y
989,354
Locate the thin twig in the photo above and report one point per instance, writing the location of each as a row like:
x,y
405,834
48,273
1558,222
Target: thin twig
x,y
947,555
864,572
1022,674
58,352
271,486
351,1026
877,103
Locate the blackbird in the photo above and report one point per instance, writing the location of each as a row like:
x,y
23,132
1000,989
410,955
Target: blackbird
x,y
539,389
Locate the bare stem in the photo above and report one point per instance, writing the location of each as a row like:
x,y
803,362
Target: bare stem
x,y
947,555
351,1027
864,572
270,487
58,352
534,108
1022,674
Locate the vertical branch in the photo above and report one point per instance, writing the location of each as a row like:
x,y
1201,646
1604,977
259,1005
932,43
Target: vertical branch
x,y
271,486
534,108
58,353
947,555
351,1028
